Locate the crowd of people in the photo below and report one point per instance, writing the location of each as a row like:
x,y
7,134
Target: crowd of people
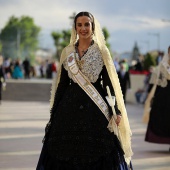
x,y
18,69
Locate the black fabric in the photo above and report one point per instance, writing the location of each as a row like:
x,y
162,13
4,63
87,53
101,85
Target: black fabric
x,y
159,116
77,134
124,83
64,83
2,75
104,163
0,91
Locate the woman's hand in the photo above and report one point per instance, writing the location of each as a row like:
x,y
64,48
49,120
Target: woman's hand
x,y
118,119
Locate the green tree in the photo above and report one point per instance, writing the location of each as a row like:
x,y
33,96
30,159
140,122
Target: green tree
x,y
106,35
149,61
61,40
19,37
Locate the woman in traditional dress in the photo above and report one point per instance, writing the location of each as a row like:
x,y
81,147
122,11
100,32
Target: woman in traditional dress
x,y
81,132
158,130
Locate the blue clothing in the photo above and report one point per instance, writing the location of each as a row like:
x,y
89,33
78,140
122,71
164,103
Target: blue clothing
x,y
17,73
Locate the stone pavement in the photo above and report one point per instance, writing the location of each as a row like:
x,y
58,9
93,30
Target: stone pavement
x,y
22,129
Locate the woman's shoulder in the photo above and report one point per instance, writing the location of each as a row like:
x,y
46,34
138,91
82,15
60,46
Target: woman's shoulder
x,y
69,48
66,51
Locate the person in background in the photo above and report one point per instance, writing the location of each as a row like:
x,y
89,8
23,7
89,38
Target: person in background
x,y
54,69
124,79
48,69
158,130
139,64
2,77
116,64
42,69
160,57
125,63
17,71
7,68
26,66
79,135
142,93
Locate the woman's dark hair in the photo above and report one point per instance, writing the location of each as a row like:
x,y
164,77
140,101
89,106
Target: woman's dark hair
x,y
168,49
88,14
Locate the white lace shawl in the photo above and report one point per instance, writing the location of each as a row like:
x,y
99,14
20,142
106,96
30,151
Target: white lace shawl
x,y
161,74
90,64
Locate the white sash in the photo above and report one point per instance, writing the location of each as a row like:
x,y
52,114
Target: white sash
x,y
85,84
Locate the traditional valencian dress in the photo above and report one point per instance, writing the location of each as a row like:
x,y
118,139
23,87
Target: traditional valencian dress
x,y
80,134
158,130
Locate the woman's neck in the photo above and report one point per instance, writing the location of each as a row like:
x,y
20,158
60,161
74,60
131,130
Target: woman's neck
x,y
83,46
84,43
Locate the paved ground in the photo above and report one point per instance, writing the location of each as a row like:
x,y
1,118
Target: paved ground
x,y
22,129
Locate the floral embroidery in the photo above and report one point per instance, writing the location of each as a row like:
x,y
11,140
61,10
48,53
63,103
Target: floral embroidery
x,y
90,64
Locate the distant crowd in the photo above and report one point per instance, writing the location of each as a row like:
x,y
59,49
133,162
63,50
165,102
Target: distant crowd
x,y
47,69
17,69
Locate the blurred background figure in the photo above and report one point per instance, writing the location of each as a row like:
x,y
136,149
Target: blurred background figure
x,y
32,73
26,66
125,63
2,77
141,93
53,69
7,68
48,69
42,69
158,130
124,79
17,72
160,57
139,64
116,64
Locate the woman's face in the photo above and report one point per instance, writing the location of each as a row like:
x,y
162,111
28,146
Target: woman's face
x,y
84,27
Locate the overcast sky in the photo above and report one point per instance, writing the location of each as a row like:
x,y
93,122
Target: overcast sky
x,y
143,21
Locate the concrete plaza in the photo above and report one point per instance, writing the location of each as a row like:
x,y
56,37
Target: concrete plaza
x,y
22,129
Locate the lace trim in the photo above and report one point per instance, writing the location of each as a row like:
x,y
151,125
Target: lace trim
x,y
164,76
90,64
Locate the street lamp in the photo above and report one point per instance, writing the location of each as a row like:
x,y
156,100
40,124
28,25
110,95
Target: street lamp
x,y
158,37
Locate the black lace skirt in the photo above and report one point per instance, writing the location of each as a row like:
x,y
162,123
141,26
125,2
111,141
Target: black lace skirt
x,y
46,162
79,138
158,130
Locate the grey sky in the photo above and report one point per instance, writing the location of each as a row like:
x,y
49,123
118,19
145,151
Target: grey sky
x,y
127,21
